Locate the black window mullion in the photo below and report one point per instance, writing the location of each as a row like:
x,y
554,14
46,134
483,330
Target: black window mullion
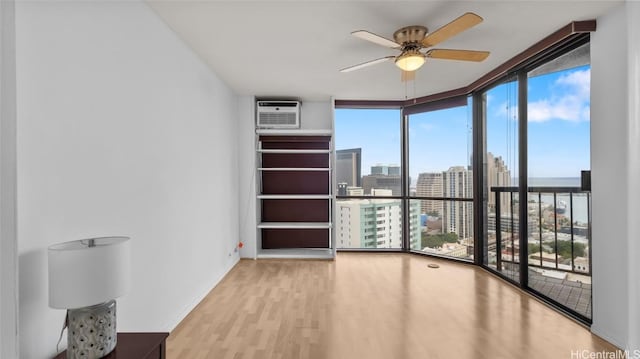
x,y
522,174
406,207
479,179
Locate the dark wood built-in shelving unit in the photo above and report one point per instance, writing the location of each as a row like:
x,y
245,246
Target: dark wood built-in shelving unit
x,y
294,194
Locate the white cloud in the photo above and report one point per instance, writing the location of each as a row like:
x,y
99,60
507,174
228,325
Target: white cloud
x,y
573,103
577,80
568,102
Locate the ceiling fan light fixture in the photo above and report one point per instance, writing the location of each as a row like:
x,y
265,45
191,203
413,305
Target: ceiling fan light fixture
x,y
410,60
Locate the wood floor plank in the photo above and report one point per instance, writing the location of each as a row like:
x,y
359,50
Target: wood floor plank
x,y
373,306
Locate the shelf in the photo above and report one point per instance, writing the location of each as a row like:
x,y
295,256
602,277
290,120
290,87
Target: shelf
x,y
293,132
295,225
304,169
294,196
296,253
293,151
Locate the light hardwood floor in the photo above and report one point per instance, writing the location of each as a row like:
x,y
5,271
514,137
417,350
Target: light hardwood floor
x,y
389,306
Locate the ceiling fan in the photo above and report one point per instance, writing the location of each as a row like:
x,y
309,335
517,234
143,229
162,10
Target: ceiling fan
x,y
411,40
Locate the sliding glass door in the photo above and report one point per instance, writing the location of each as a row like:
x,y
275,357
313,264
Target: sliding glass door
x,y
537,224
559,231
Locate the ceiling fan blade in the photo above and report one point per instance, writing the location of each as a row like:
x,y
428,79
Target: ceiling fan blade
x,y
451,29
462,55
407,76
376,39
365,64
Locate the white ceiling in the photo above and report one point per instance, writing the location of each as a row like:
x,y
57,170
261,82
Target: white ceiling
x,y
295,48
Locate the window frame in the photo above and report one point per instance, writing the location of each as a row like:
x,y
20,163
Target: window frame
x,y
556,44
376,105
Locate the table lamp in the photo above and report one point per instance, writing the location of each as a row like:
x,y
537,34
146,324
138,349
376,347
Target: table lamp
x,y
85,277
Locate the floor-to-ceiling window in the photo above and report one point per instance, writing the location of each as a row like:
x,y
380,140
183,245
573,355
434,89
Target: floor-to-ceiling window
x,y
500,193
558,153
441,181
369,179
537,229
528,217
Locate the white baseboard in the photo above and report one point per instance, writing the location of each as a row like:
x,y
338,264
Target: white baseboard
x,y
595,330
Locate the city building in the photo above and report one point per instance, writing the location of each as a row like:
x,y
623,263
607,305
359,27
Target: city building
x,y
450,249
430,185
342,189
368,223
348,166
510,224
457,216
373,223
382,181
498,175
345,190
387,170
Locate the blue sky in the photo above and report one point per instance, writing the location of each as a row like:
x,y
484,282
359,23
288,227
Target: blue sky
x,y
558,112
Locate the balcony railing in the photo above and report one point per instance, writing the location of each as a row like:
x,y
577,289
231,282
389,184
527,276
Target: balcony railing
x,y
558,228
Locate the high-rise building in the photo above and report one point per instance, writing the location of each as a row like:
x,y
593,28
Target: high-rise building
x,y
374,223
458,215
430,185
387,170
498,175
379,170
392,183
348,166
393,170
415,224
383,177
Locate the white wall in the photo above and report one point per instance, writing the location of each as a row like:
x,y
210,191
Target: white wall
x,y
8,226
247,175
314,115
122,130
633,254
615,164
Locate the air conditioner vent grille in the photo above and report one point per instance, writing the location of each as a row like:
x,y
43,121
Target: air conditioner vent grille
x,y
271,114
278,118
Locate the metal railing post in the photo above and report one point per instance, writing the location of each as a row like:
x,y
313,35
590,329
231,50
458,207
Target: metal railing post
x,y
498,233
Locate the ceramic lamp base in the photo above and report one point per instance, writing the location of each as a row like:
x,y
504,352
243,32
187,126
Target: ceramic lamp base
x,y
91,331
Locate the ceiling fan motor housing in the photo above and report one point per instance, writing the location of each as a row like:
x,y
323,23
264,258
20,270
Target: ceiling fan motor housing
x,y
410,35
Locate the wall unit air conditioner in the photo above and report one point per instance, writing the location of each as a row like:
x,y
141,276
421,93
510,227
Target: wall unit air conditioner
x,y
278,114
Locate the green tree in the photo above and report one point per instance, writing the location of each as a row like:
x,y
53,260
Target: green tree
x,y
547,247
533,248
564,249
437,240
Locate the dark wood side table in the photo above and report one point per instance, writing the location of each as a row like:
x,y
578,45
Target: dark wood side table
x,y
135,346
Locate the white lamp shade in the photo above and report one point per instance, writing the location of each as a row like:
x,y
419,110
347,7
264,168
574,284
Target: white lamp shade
x,y
81,275
410,60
